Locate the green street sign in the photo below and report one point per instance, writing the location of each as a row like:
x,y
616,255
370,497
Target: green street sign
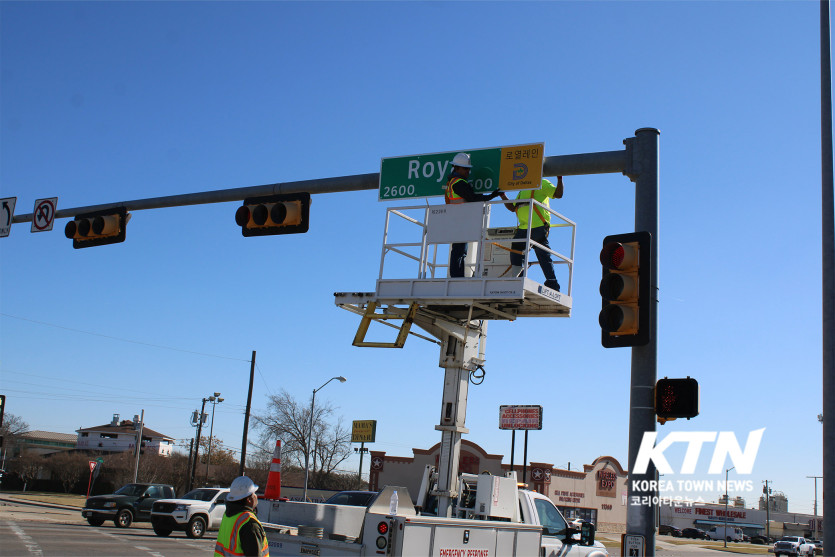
x,y
517,167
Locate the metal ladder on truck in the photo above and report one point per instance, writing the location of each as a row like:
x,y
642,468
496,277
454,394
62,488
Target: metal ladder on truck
x,y
413,287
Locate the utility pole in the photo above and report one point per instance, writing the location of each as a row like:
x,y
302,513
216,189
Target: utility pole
x,y
816,503
242,469
138,446
767,492
200,420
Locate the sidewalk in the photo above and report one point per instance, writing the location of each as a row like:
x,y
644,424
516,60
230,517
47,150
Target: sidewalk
x,y
19,500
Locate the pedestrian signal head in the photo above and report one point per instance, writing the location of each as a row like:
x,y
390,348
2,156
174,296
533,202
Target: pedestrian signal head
x,y
676,398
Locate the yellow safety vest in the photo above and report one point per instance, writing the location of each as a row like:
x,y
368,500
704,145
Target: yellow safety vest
x,y
228,539
450,197
540,217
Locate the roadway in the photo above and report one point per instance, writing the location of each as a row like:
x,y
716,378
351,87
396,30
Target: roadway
x,y
41,531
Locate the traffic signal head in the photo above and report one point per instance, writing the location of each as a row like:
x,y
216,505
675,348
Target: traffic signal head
x,y
2,408
275,214
98,228
625,289
676,398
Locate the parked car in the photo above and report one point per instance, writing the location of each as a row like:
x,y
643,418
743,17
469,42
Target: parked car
x,y
761,539
130,503
667,530
197,511
353,498
694,533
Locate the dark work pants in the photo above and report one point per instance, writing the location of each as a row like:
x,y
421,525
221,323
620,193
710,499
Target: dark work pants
x,y
457,253
539,234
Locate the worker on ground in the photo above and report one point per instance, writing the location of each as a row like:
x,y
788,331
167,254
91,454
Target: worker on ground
x,y
459,190
540,226
240,531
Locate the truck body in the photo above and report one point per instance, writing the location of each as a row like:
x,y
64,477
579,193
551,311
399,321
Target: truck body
x,y
195,512
503,520
729,533
130,503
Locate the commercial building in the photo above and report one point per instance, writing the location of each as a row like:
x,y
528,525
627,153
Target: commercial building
x,y
43,442
596,494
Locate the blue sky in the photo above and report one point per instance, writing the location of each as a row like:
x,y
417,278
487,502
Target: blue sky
x,y
106,102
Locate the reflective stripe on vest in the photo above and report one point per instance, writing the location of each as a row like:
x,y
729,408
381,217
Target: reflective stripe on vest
x,y
228,539
450,197
524,208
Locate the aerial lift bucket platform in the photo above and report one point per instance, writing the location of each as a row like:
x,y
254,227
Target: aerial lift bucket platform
x,y
412,286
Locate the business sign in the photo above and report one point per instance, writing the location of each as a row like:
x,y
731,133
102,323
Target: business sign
x,y
526,416
363,431
513,168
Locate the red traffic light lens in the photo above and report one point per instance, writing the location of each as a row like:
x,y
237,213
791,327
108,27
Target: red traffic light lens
x,y
70,229
612,255
242,215
382,527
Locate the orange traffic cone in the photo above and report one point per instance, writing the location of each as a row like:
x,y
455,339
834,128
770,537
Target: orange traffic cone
x,y
273,490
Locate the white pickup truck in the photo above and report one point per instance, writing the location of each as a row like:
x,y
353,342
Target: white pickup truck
x,y
795,546
197,511
493,518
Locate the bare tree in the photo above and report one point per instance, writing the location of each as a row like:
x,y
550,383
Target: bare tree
x,y
12,428
28,466
289,421
68,468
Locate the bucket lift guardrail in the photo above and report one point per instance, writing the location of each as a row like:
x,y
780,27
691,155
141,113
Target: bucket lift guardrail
x,y
427,261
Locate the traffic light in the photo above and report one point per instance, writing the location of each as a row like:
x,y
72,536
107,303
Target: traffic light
x,y
676,398
2,408
625,289
275,214
98,228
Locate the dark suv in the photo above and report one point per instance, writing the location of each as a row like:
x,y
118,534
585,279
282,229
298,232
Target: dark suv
x,y
131,503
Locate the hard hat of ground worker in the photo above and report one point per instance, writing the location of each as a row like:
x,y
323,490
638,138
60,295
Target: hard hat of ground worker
x,y
462,160
241,488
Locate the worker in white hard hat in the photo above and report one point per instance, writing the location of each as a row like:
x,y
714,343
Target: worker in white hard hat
x,y
241,534
540,225
459,190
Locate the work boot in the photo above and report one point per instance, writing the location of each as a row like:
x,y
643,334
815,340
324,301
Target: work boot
x,y
552,284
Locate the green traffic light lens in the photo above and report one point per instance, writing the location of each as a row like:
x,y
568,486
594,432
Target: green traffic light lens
x,y
278,213
611,318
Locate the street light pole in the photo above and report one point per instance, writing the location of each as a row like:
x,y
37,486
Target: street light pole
x,y
215,400
816,504
726,505
310,431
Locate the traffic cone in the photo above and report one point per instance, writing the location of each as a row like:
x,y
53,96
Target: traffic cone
x,y
273,490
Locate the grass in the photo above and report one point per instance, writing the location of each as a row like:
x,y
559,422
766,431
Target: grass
x,y
69,499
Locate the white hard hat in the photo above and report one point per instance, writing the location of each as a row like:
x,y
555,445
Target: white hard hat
x,y
463,160
241,488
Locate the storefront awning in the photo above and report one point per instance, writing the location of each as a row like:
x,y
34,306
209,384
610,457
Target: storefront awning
x,y
722,523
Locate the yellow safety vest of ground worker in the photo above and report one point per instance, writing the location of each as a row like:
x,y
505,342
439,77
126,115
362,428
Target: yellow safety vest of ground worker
x,y
540,226
241,533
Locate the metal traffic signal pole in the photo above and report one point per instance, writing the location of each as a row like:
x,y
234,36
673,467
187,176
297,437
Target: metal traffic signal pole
x,y
828,282
640,517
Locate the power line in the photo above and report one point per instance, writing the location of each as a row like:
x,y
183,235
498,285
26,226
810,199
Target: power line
x,y
122,339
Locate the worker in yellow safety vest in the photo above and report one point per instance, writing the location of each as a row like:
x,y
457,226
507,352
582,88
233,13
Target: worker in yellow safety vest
x,y
459,190
540,225
241,534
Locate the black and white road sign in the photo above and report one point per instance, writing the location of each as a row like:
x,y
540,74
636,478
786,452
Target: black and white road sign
x,y
43,217
6,215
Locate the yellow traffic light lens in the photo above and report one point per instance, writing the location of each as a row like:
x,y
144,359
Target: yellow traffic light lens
x,y
259,215
83,227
